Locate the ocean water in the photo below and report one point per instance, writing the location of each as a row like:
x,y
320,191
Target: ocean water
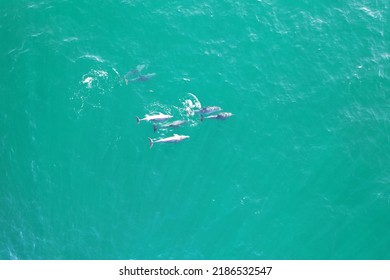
x,y
300,171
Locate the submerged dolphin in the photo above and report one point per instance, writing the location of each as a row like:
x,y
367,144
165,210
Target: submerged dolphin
x,y
154,118
208,110
137,70
220,116
172,124
173,139
142,78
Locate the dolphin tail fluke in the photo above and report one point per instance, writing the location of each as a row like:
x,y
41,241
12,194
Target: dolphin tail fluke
x,y
138,120
155,127
150,142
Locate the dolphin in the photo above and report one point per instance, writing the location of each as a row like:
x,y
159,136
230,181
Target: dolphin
x,y
172,124
220,116
208,110
137,70
160,117
173,139
142,78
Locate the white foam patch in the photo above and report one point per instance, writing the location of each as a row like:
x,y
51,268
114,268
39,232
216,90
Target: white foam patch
x,y
101,73
371,13
95,78
93,57
191,104
88,81
116,72
70,39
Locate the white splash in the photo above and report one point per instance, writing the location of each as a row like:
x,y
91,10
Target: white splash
x,y
101,73
190,105
88,81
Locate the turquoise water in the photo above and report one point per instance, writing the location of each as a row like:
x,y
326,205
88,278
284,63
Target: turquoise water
x,y
300,171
